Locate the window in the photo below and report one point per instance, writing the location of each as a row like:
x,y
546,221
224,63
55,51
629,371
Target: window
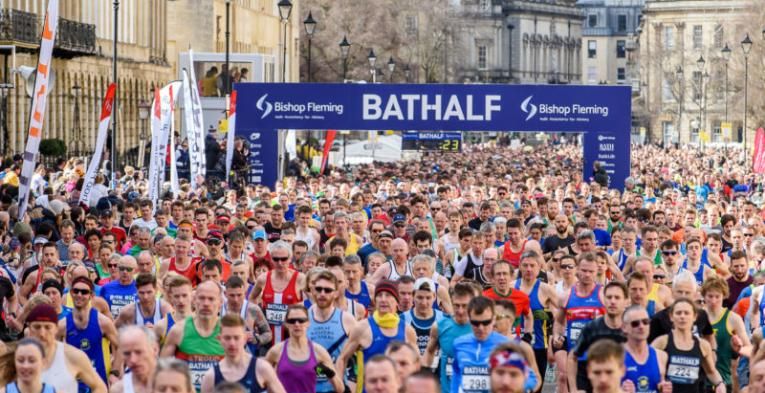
x,y
620,52
592,49
717,133
621,74
622,23
482,57
484,5
669,37
592,74
411,24
666,90
719,36
592,20
698,36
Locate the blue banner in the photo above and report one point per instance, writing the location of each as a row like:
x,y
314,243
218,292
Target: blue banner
x,y
594,110
263,153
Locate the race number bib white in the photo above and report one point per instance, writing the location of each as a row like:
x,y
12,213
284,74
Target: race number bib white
x,y
682,373
449,370
276,313
475,380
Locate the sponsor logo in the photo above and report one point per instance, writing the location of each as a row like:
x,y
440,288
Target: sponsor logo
x,y
264,106
529,108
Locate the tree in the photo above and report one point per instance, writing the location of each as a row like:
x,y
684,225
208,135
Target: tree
x,y
414,34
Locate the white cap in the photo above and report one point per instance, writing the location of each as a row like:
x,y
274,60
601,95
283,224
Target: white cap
x,y
424,280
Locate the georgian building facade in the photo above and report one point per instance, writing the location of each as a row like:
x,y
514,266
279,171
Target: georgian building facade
x,y
518,41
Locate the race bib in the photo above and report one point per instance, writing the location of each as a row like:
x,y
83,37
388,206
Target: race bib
x,y
449,370
475,380
198,368
575,333
679,373
276,313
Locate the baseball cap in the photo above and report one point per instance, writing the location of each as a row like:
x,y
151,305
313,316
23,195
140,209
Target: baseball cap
x,y
424,281
214,235
399,218
259,234
40,240
106,213
223,218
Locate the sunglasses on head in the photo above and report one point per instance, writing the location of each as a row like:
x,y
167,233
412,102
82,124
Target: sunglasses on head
x,y
485,322
80,291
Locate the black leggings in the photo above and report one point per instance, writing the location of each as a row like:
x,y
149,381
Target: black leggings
x,y
540,356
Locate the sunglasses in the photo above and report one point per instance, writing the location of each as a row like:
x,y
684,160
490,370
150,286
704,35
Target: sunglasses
x,y
556,260
638,322
567,267
251,227
324,289
126,269
79,291
749,234
112,265
669,253
107,241
485,322
280,259
214,241
659,276
295,321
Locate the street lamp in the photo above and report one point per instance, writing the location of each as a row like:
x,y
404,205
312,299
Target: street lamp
x,y
372,60
391,68
345,47
77,137
700,126
310,27
115,110
746,46
227,76
680,75
143,113
285,9
726,52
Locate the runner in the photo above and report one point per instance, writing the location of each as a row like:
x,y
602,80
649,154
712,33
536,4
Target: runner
x,y
253,374
423,317
65,364
399,266
299,361
645,365
138,345
179,293
195,340
688,355
148,309
516,245
471,351
406,356
172,375
443,334
382,376
358,288
90,331
509,369
23,368
371,336
278,289
329,326
502,289
122,292
605,366
256,326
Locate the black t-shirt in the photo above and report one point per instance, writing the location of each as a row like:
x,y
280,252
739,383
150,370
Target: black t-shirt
x,y
476,223
594,331
273,233
554,243
661,324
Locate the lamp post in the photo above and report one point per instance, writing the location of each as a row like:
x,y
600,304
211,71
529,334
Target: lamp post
x,y
372,60
285,9
746,46
310,27
143,113
726,52
700,64
391,68
680,75
76,137
345,47
115,110
227,79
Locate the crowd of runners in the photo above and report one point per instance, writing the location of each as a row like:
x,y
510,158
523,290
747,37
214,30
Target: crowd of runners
x,y
489,270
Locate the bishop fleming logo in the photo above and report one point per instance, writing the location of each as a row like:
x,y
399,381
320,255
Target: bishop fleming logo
x,y
264,106
528,107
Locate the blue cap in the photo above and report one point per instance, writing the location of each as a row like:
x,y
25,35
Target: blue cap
x,y
399,218
259,234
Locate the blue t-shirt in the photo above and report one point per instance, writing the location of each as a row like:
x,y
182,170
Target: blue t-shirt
x,y
471,362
